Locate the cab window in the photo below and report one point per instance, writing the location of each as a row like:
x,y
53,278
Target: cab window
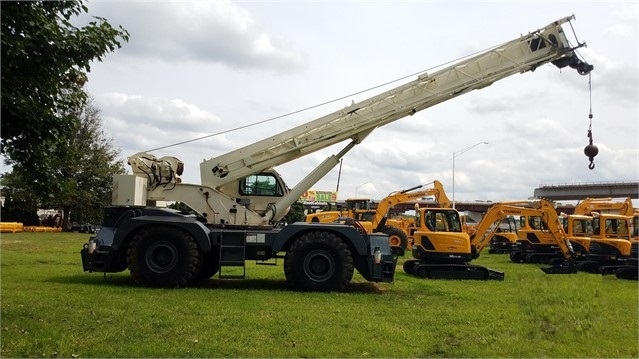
x,y
263,184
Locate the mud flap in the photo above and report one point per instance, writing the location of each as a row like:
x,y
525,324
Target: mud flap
x,y
567,267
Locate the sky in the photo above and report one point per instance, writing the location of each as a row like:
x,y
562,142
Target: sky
x,y
198,68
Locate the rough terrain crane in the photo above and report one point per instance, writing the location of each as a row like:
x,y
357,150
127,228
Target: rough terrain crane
x,y
241,197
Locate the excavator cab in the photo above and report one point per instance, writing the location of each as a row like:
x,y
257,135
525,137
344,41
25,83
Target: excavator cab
x,y
438,236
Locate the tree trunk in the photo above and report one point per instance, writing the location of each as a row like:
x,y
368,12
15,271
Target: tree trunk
x,y
66,226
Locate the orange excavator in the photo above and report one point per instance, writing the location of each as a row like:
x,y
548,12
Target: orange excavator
x,y
441,249
612,247
378,221
609,246
604,205
548,218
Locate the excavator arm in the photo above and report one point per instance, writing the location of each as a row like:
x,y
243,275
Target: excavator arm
x,y
604,205
406,195
541,208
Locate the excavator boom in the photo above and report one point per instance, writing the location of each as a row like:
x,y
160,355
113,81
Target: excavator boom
x,y
540,208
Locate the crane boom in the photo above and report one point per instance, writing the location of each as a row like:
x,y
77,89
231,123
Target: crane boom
x,y
358,120
219,197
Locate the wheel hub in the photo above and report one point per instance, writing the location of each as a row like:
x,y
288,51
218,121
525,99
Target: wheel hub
x,y
319,266
162,257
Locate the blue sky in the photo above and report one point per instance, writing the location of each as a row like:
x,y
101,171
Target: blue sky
x,y
195,68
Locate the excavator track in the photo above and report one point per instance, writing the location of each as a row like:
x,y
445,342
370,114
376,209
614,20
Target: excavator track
x,y
629,272
451,271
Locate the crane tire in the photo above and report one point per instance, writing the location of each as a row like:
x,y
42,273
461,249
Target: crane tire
x,y
210,265
396,237
163,256
318,261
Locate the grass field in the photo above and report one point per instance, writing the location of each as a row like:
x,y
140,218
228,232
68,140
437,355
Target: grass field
x,y
51,308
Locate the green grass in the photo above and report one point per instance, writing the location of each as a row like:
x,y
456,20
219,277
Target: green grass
x,y
50,308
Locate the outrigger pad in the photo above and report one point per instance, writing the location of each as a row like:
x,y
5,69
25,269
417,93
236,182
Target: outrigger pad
x,y
567,267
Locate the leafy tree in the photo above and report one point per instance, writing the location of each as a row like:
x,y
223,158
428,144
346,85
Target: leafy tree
x,y
296,214
83,164
44,64
19,204
180,206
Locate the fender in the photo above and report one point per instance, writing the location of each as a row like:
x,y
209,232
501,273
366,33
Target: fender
x,y
196,228
356,241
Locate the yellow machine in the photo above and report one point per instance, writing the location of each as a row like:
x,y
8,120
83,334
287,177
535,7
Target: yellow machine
x,y
535,243
635,226
541,209
442,249
504,236
602,235
600,243
612,248
578,227
604,205
377,221
356,208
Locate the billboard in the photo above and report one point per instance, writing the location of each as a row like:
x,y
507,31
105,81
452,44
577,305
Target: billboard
x,y
319,196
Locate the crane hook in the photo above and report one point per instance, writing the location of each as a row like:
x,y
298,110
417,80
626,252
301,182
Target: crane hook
x,y
591,150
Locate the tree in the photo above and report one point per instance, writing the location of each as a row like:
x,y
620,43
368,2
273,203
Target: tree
x,y
20,205
83,164
296,214
44,64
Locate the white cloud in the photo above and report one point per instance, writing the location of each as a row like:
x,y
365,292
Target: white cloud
x,y
197,31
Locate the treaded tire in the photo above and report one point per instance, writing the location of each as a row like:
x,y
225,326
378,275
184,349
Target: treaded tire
x,y
210,265
163,256
397,237
318,261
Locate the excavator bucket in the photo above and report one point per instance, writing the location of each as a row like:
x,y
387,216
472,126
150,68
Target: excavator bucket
x,y
567,267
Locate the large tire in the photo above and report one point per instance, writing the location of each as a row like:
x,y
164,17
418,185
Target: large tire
x,y
163,256
397,238
210,266
318,261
